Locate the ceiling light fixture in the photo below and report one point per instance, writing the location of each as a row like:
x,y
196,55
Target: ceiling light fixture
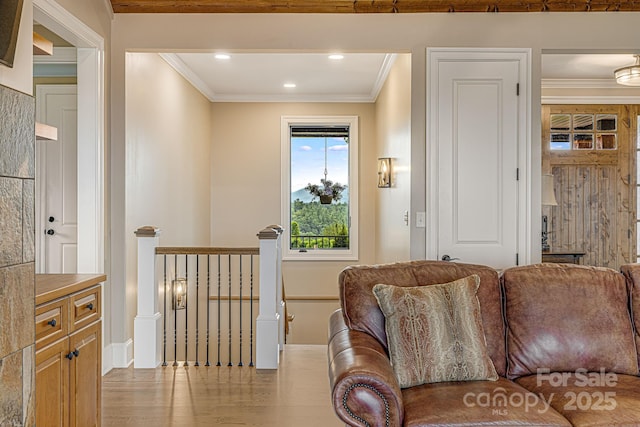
x,y
289,85
629,76
222,56
336,56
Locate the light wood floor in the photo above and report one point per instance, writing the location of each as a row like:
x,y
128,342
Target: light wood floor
x,y
297,394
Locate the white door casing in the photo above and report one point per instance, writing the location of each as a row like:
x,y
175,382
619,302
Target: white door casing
x,y
477,155
92,242
57,181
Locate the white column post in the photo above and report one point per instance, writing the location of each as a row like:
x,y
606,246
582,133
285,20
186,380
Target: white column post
x,y
268,321
279,287
147,325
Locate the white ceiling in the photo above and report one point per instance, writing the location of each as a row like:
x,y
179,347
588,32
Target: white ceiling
x,y
583,66
358,77
255,77
258,77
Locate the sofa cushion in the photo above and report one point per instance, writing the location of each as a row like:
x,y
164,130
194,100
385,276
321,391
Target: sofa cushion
x,y
565,317
362,312
589,399
434,333
632,273
476,403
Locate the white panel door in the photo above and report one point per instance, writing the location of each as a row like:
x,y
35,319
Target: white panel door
x,y
57,180
475,144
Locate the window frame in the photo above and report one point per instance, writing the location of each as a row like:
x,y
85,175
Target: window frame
x,y
350,254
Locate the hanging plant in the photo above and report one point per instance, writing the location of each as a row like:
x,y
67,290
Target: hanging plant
x,y
327,191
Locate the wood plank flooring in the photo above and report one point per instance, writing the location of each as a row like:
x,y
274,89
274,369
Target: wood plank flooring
x,y
297,394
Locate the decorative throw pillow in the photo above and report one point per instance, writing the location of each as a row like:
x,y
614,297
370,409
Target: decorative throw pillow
x,y
434,333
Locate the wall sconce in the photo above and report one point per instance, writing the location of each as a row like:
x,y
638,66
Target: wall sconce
x,y
179,287
548,199
384,172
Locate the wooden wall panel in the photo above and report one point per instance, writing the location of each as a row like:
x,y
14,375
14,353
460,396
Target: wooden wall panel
x,y
595,191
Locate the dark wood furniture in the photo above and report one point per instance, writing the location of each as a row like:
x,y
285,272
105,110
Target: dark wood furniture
x,y
566,257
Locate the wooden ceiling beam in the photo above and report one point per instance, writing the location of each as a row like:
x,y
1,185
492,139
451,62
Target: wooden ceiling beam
x,y
370,6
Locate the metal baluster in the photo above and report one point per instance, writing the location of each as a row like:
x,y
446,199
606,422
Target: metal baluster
x,y
175,313
164,314
208,303
240,269
219,306
251,314
197,306
186,313
229,299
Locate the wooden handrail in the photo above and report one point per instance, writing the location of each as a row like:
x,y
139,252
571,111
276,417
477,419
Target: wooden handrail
x,y
180,250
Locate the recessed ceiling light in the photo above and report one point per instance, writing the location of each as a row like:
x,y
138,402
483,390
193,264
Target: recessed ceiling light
x,y
222,56
336,56
289,85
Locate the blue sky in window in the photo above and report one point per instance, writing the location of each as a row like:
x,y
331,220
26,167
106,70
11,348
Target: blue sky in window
x,y
308,157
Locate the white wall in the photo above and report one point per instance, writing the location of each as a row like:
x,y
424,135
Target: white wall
x,y
393,132
362,32
167,164
245,186
21,75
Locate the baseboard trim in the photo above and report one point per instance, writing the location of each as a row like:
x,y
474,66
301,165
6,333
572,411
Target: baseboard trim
x,y
122,354
107,359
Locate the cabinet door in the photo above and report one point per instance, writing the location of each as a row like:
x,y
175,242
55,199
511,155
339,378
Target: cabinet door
x,y
85,377
52,379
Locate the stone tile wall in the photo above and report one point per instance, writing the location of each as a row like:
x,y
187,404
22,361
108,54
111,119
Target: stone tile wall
x,y
17,255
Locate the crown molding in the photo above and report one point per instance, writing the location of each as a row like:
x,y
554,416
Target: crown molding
x,y
337,98
622,100
385,69
181,68
580,84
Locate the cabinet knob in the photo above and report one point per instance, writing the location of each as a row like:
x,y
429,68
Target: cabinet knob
x,y
52,322
90,306
76,352
51,232
51,219
70,355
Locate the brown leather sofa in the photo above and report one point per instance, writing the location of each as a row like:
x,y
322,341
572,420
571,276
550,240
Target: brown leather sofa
x,y
562,339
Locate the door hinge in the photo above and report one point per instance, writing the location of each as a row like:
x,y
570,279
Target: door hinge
x,y
517,259
517,89
517,174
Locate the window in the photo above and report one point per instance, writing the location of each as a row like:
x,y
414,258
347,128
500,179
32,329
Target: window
x,y
319,187
584,132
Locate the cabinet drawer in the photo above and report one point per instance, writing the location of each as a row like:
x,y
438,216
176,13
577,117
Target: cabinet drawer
x,y
85,307
51,322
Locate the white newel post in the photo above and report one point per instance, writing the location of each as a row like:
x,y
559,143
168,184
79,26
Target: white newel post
x,y
270,316
147,325
279,287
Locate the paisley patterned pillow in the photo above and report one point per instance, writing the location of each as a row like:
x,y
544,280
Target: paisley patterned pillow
x,y
435,332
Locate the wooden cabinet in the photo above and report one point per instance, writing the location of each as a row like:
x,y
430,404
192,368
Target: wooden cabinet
x,y
68,350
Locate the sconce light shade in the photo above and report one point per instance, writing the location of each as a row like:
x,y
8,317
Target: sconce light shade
x,y
548,195
384,172
629,76
179,287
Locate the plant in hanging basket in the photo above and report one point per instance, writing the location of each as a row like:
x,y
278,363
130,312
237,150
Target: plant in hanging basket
x,y
327,192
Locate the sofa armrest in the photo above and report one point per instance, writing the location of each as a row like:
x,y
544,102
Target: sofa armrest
x,y
365,391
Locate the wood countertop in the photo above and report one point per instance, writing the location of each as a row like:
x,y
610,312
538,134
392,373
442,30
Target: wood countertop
x,y
53,286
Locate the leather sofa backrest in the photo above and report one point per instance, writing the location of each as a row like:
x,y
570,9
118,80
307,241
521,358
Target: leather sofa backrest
x,y
361,311
565,317
632,274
